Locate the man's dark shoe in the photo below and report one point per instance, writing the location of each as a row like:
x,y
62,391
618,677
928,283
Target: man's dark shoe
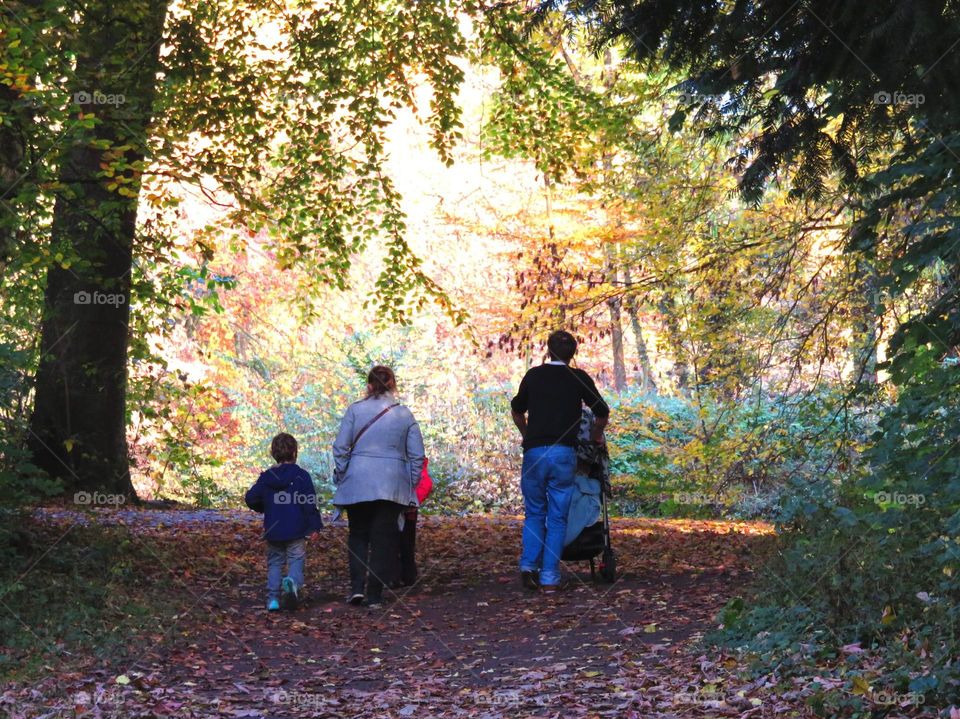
x,y
565,584
530,580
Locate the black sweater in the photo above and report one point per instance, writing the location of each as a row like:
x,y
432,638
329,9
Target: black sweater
x,y
553,396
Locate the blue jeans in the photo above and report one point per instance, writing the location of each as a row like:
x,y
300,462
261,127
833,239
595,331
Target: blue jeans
x,y
546,481
292,553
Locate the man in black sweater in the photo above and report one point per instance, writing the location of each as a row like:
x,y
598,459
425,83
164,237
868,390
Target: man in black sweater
x,y
547,412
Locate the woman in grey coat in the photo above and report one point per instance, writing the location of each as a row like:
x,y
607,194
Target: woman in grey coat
x,y
379,456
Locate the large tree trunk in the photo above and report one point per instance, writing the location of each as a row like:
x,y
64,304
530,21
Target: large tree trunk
x,y
78,426
648,382
616,326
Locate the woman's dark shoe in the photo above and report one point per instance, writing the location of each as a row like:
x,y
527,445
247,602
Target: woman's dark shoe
x,y
530,580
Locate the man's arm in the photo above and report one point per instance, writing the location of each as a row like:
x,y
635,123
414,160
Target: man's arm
x,y
521,421
601,410
518,407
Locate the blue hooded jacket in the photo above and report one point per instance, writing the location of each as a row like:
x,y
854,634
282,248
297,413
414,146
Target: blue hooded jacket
x,y
285,495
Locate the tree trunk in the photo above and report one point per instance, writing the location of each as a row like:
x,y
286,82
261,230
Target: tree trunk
x,y
78,426
681,370
12,154
18,117
865,336
610,251
552,262
616,326
648,383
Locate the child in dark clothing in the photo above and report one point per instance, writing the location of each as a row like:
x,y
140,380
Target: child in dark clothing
x,y
408,535
286,496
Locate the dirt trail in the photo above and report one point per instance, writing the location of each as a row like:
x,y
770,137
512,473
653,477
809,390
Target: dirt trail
x,y
467,641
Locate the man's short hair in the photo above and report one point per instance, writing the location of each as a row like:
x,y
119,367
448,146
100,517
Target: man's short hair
x,y
283,448
561,345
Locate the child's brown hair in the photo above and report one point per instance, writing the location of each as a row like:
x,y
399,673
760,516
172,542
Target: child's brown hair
x,y
283,448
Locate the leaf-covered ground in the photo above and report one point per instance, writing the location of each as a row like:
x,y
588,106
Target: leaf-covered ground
x,y
466,641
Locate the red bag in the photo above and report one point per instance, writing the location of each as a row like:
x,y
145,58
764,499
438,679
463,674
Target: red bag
x,y
425,485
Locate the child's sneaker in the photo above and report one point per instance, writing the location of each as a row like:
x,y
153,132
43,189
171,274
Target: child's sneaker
x,y
273,606
289,597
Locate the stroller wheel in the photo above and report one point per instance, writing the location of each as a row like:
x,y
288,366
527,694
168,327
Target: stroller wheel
x,y
608,567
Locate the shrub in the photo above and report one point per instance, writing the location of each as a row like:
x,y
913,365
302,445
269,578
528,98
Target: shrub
x,y
715,455
20,481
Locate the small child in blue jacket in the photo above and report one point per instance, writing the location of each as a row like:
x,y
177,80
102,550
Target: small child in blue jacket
x,y
285,495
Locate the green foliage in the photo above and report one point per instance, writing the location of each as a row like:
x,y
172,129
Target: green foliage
x,y
808,73
475,453
862,97
83,596
275,114
20,481
872,559
711,456
169,417
296,131
544,109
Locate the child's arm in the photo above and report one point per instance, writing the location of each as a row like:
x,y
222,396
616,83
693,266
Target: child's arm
x,y
254,497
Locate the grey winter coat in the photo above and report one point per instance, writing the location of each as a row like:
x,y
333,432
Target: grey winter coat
x,y
386,462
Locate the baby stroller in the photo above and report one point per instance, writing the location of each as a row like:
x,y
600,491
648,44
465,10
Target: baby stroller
x,y
588,523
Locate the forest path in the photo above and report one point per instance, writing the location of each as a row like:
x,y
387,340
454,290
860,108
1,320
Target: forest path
x,y
466,641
